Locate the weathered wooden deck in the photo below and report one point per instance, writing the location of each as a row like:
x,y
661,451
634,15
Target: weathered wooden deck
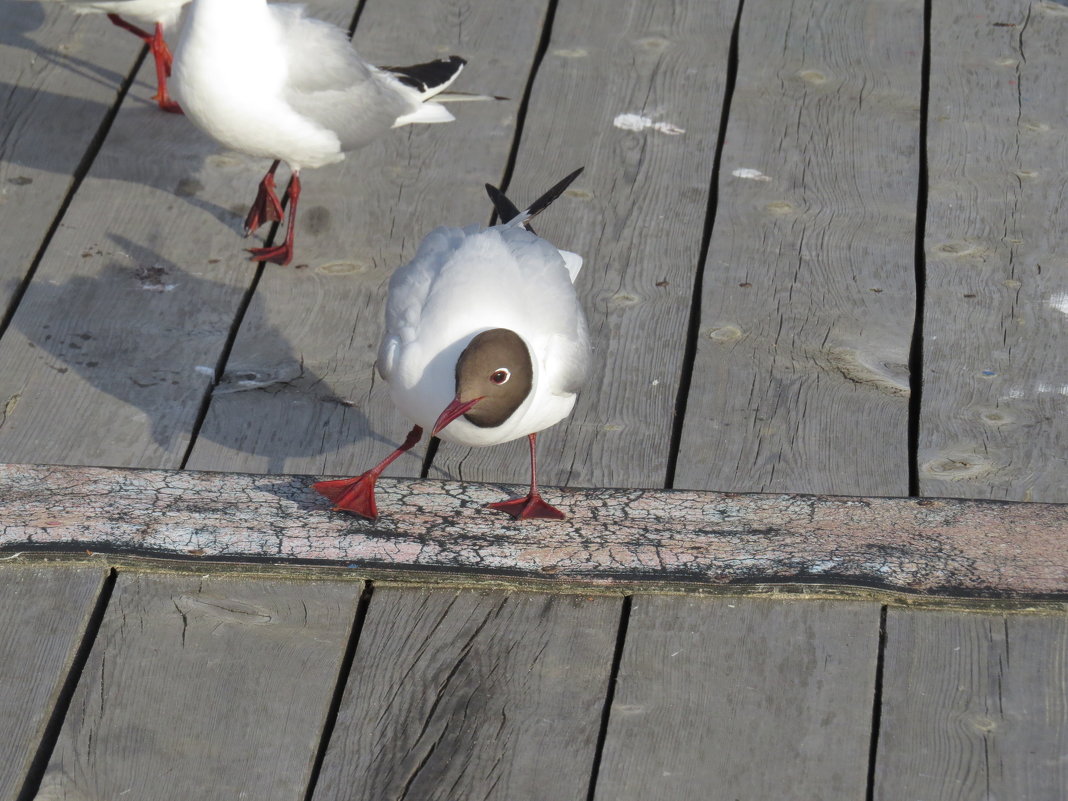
x,y
837,267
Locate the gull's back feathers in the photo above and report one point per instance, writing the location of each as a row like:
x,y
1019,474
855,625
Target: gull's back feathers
x,y
165,12
270,81
511,216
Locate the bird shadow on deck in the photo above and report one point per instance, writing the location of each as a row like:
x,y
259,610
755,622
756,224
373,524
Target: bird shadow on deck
x,y
143,147
22,19
152,359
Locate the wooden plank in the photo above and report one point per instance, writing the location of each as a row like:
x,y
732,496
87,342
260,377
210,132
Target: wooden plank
x,y
734,698
44,612
300,393
800,382
613,537
207,688
116,340
473,695
995,397
974,706
636,216
62,73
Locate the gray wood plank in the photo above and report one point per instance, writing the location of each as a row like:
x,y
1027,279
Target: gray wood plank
x,y
116,340
995,400
472,695
742,699
43,615
974,707
61,74
636,216
307,349
206,688
800,382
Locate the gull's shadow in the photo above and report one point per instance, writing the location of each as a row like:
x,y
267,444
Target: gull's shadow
x,y
150,334
41,130
19,20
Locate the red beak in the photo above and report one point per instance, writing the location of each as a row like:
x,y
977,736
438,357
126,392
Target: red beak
x,y
452,411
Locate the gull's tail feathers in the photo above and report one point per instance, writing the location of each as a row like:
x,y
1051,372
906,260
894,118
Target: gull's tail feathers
x,y
510,215
431,78
465,97
426,113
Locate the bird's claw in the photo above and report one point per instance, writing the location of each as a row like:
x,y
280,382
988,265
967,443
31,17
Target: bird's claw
x,y
529,508
355,495
168,105
265,208
279,254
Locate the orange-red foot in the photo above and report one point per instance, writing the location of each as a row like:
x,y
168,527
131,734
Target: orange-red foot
x,y
265,208
356,495
168,105
529,508
279,254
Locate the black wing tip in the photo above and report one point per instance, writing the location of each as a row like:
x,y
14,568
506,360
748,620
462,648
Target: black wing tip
x,y
507,210
543,202
430,74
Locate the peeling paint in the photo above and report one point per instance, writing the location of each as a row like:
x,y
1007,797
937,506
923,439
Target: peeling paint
x,y
929,546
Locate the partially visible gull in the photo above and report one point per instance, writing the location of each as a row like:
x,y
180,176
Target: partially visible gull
x,y
161,13
485,342
268,81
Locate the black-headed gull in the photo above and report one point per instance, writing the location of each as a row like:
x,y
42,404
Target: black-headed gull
x,y
485,342
269,81
161,13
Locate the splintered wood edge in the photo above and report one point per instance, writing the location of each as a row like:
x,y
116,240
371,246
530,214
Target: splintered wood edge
x,y
612,538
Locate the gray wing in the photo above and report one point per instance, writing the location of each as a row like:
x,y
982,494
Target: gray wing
x,y
329,83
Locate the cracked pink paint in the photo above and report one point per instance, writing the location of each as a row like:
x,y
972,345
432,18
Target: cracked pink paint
x,y
934,546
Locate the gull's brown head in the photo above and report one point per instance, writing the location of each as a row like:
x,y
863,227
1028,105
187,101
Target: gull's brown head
x,y
494,375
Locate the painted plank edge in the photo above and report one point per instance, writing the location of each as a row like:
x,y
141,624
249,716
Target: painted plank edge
x,y
935,547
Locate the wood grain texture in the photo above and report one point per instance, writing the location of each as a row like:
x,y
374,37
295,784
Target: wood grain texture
x,y
204,688
61,75
974,707
472,695
300,392
995,397
737,699
636,216
612,538
800,382
43,615
117,338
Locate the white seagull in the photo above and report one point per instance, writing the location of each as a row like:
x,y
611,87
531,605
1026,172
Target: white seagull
x,y
162,13
485,342
269,81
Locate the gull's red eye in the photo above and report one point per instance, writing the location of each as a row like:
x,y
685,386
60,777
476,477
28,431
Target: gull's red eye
x,y
501,375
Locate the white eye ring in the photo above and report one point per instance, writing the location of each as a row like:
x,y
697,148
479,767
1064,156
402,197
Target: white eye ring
x,y
498,372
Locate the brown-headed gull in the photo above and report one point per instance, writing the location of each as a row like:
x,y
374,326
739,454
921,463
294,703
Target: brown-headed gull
x,y
485,342
268,81
161,13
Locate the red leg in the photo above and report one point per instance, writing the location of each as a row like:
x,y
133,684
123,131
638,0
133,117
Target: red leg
x,y
266,207
357,495
163,57
531,506
145,36
283,254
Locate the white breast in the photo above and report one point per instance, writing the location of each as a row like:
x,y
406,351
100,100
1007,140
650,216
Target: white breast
x,y
461,282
